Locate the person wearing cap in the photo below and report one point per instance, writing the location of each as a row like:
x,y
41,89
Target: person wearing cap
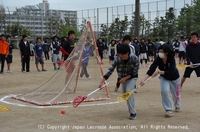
x,y
9,58
25,53
4,50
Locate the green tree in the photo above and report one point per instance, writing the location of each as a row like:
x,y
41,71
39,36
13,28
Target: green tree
x,y
66,29
118,28
104,30
17,30
132,26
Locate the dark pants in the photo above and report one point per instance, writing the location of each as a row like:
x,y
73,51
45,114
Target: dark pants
x,y
46,54
84,70
26,61
101,54
155,54
65,57
118,84
3,57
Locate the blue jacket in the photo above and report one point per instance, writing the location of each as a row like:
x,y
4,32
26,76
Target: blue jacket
x,y
137,47
87,52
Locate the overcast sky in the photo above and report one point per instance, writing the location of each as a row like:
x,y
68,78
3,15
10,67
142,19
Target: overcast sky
x,y
77,4
149,10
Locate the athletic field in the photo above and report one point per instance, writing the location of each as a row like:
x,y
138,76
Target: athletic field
x,y
106,116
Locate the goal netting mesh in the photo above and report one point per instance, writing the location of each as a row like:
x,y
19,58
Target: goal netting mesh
x,y
66,83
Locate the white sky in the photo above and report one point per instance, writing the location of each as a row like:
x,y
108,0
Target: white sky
x,y
149,10
78,4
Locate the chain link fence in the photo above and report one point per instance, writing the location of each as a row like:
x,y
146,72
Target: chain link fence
x,y
33,19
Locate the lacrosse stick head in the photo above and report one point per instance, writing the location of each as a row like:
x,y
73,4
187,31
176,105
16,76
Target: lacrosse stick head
x,y
124,97
181,66
78,100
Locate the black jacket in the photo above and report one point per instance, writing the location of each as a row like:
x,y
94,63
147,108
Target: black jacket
x,y
171,72
143,48
46,47
24,49
193,53
68,46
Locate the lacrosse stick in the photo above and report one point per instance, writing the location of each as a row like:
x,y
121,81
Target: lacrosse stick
x,y
79,99
183,66
125,96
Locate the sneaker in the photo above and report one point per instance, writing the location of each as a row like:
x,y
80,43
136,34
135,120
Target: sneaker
x,y
116,89
89,77
55,68
44,70
177,110
135,91
169,114
81,77
23,70
8,71
38,70
132,116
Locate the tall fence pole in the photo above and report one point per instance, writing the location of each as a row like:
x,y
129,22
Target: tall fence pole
x,y
137,18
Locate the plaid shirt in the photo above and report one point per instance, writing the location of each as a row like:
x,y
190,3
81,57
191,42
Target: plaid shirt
x,y
124,68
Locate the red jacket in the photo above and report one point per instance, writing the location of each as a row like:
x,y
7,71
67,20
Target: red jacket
x,y
4,47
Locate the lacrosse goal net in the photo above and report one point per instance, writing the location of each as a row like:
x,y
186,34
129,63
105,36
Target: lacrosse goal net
x,y
66,83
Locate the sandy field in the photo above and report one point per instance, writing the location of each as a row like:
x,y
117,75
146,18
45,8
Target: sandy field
x,y
106,116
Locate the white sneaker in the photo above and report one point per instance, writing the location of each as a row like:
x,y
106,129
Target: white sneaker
x,y
169,114
89,77
8,71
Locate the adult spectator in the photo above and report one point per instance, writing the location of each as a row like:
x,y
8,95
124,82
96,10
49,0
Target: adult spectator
x,y
25,53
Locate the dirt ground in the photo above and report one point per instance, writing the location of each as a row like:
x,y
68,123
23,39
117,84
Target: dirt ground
x,y
112,116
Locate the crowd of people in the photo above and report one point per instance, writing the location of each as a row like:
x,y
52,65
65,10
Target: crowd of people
x,y
35,51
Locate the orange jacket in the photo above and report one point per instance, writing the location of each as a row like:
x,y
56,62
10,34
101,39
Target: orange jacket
x,y
4,49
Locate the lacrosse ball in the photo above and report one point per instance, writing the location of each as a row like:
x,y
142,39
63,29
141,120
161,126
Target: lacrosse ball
x,y
63,112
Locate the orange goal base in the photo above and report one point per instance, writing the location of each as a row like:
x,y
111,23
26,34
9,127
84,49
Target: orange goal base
x,y
56,103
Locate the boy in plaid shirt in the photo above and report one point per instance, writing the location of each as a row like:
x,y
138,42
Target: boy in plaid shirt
x,y
127,68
